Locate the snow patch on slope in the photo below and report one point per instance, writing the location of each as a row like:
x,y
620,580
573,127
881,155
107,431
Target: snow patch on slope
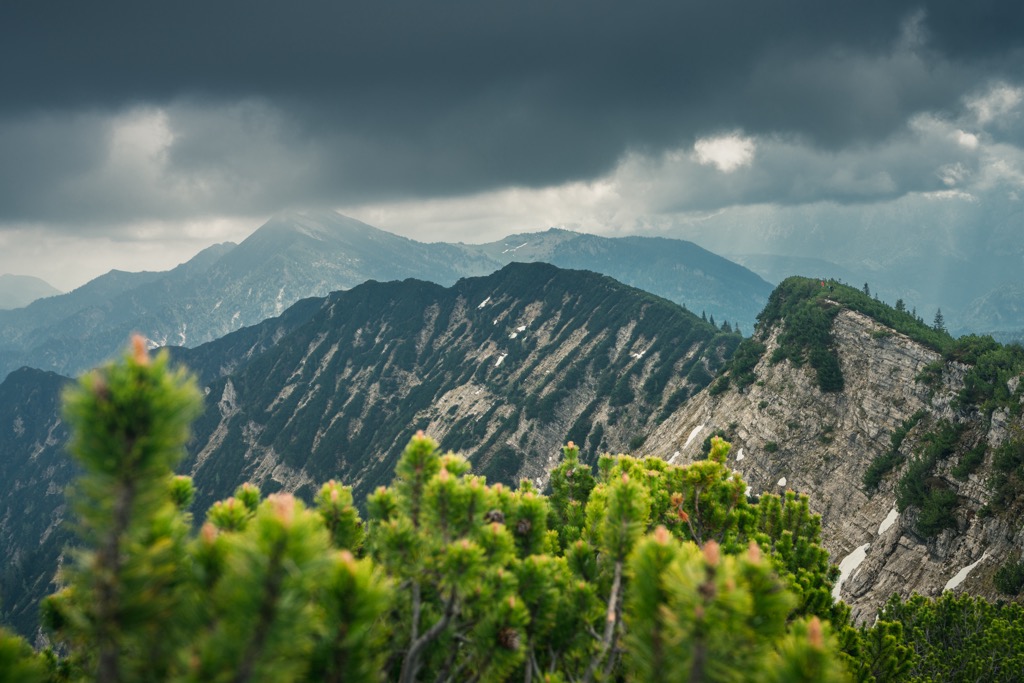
x,y
848,566
693,435
889,520
962,574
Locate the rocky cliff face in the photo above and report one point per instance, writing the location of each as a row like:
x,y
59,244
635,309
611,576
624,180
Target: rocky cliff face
x,y
503,368
33,476
788,434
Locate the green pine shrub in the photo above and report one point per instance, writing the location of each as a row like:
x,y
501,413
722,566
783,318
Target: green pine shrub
x,y
644,571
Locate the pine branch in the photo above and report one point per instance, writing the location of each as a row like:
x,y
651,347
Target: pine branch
x,y
412,658
108,562
268,609
611,621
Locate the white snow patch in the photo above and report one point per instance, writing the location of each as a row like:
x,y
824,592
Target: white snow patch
x,y
279,302
674,456
521,328
495,322
500,359
962,574
747,492
235,317
513,335
217,305
889,520
740,456
505,251
484,302
848,566
693,435
782,482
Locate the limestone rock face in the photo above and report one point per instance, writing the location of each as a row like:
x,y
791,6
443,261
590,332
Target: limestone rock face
x,y
787,434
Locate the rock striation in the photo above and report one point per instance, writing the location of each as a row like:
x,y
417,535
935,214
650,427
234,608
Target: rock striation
x,y
789,434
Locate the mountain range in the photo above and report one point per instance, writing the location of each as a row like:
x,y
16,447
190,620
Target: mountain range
x,y
321,346
299,255
502,367
907,442
17,291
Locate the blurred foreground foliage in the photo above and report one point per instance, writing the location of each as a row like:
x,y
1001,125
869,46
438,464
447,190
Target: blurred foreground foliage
x,y
640,571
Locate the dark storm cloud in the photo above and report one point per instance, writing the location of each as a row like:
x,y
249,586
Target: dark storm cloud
x,y
273,103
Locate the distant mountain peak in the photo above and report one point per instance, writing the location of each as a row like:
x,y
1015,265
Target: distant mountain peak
x,y
21,290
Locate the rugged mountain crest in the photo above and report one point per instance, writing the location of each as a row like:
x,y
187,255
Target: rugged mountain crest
x,y
503,368
899,395
676,269
309,254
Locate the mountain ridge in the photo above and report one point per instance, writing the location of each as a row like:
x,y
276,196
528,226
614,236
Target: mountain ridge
x,y
899,397
503,367
297,255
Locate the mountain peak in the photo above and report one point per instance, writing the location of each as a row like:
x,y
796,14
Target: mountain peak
x,y
317,223
21,290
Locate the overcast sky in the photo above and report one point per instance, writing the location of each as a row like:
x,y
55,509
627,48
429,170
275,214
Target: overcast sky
x,y
132,134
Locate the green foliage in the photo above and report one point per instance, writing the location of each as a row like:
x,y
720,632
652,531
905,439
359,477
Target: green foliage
x,y
931,374
992,366
18,662
334,503
1007,476
960,637
879,653
130,421
807,338
807,308
720,386
696,615
919,488
970,461
1009,578
886,462
649,571
257,595
705,447
741,366
791,534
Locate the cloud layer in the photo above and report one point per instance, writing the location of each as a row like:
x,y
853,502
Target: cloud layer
x,y
127,114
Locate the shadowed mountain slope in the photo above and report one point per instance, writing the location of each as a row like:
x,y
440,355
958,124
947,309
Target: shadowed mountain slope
x,y
309,254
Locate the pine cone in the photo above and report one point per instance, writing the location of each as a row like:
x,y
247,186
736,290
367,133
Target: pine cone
x,y
508,638
495,516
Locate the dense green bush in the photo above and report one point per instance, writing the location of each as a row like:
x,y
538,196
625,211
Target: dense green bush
x,y
645,572
451,578
970,461
1009,578
960,637
919,488
1007,476
986,382
884,463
